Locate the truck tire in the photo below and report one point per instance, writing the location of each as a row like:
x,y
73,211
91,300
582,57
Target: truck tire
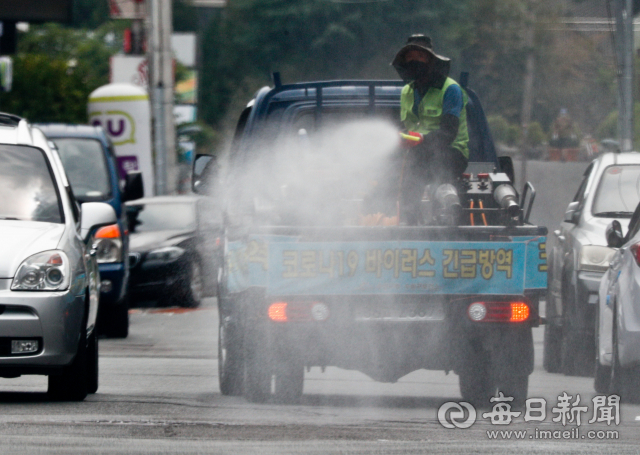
x,y
516,386
257,367
72,384
475,379
289,380
230,362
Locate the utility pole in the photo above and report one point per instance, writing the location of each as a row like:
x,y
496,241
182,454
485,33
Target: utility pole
x,y
625,50
527,95
161,91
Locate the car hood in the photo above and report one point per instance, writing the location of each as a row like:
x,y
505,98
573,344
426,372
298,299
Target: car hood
x,y
141,242
21,239
593,229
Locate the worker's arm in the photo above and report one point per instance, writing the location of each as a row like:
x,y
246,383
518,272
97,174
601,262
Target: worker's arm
x,y
452,106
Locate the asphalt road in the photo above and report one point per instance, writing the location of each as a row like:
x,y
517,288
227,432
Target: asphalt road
x,y
159,394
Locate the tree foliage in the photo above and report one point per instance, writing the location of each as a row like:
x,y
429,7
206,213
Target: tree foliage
x,y
56,69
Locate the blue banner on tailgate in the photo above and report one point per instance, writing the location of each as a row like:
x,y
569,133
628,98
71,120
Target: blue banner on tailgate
x,y
285,266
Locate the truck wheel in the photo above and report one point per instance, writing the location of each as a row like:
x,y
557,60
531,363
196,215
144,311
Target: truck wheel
x,y
289,380
72,384
92,363
257,368
476,381
230,364
516,386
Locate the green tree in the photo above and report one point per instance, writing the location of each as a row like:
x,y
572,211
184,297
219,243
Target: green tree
x,y
55,70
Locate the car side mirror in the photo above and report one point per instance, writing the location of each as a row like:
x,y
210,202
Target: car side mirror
x,y
615,238
95,215
572,213
133,187
204,173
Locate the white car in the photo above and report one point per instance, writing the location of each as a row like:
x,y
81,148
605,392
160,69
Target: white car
x,y
49,278
618,316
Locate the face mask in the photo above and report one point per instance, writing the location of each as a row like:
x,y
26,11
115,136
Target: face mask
x,y
415,70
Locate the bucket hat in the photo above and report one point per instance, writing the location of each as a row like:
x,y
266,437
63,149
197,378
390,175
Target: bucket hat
x,y
422,43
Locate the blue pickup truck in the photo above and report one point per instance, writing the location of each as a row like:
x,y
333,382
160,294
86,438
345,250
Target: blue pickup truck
x,y
316,273
90,163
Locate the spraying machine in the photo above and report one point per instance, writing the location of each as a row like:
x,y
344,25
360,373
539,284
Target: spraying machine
x,y
312,278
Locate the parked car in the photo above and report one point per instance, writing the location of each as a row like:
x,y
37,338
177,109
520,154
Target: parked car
x,y
618,319
89,160
169,261
49,278
580,257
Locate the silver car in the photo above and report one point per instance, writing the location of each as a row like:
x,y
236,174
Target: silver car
x,y
618,317
49,280
580,256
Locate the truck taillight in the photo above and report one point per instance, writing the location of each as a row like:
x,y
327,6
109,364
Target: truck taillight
x,y
635,250
278,312
498,311
298,311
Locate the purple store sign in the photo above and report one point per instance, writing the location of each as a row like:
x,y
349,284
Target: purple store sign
x,y
127,164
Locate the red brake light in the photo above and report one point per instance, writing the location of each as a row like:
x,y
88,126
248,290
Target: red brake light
x,y
635,250
278,312
108,232
483,175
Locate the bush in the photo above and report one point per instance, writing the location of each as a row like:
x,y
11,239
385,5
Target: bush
x,y
535,134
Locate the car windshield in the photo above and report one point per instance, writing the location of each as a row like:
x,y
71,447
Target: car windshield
x,y
27,188
161,217
85,163
618,192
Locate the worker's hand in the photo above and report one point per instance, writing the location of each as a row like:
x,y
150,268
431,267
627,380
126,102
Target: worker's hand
x,y
411,139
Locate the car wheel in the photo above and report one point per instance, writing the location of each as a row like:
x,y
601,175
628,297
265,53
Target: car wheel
x,y
476,381
193,291
552,346
92,363
73,383
230,364
117,320
576,350
602,373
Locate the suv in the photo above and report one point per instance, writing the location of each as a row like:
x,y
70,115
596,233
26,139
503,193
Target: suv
x,y
89,160
580,257
49,278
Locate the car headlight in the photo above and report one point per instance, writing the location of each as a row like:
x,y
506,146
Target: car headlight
x,y
108,244
166,254
595,258
47,271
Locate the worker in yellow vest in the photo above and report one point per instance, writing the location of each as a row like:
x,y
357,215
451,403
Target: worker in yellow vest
x,y
432,108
